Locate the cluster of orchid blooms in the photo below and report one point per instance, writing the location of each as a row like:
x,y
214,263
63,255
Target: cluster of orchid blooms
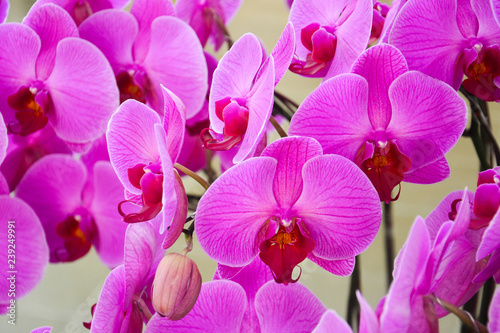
x,y
104,111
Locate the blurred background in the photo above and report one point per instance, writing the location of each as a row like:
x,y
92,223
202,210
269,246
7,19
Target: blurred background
x,y
66,293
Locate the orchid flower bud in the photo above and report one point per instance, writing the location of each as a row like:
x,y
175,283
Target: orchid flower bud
x,y
176,286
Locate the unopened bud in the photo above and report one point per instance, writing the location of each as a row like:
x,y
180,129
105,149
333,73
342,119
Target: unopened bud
x,y
176,286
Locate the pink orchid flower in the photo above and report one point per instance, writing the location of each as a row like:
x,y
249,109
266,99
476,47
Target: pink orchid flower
x,y
149,47
242,93
143,150
329,35
73,216
4,10
82,9
291,203
449,39
208,18
51,76
395,124
124,304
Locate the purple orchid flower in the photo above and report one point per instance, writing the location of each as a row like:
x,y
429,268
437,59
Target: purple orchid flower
x,y
124,304
44,329
281,206
23,151
278,308
329,35
72,216
426,268
50,76
82,9
143,150
25,253
4,10
395,124
380,12
208,18
495,4
449,39
242,93
148,47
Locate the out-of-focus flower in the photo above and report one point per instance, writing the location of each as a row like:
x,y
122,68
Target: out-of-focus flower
x,y
329,35
494,313
242,93
24,254
176,286
142,150
82,9
147,48
49,76
395,124
208,18
291,203
449,39
74,218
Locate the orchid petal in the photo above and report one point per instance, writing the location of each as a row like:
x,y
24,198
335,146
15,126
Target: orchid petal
x,y
108,315
175,59
52,24
235,74
494,311
108,192
113,32
380,66
31,250
145,12
260,105
174,122
139,254
19,48
291,308
332,322
428,117
323,115
439,36
224,300
491,238
342,267
489,28
4,10
232,212
81,67
4,139
352,38
368,321
339,207
283,52
131,139
397,307
291,153
429,174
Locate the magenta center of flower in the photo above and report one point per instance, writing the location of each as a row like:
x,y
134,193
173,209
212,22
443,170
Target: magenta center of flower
x,y
481,74
31,106
129,89
77,231
284,251
81,11
234,113
322,44
385,168
148,179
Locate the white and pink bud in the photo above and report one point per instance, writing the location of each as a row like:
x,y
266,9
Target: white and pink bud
x,y
176,286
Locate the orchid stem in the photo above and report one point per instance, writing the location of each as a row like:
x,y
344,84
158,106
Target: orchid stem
x,y
389,242
223,29
209,170
352,303
288,102
464,316
278,127
193,175
488,291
